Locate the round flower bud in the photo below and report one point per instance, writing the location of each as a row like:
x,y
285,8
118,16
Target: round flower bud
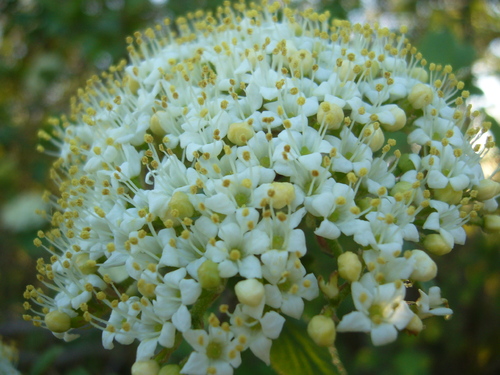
x,y
156,121
448,195
399,120
487,189
57,321
322,330
405,164
150,367
349,266
179,206
170,370
436,244
425,269
331,115
240,132
85,265
302,61
346,71
403,187
133,85
374,141
419,73
373,69
415,326
250,292
420,95
283,194
491,223
208,275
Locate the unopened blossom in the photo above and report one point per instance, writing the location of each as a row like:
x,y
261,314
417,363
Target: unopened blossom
x,y
204,169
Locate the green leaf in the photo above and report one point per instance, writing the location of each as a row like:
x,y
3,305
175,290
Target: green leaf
x,y
294,352
46,360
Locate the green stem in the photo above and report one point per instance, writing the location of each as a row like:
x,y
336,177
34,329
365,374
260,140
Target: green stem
x,y
336,360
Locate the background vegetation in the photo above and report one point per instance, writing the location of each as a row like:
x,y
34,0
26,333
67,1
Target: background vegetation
x,y
48,48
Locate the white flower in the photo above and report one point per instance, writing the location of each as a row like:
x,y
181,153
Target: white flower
x,y
381,310
215,352
432,304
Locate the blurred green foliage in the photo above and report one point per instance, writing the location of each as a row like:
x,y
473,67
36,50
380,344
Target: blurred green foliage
x,y
48,48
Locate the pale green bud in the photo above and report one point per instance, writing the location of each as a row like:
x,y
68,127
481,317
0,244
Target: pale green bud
x,y
405,163
420,74
150,367
179,207
448,195
331,115
400,120
349,266
208,275
420,95
155,122
170,370
491,224
85,265
322,330
250,292
403,187
415,326
425,268
302,60
240,132
436,244
374,141
284,194
57,321
487,189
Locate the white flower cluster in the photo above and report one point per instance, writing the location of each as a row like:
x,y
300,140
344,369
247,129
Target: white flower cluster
x,y
195,170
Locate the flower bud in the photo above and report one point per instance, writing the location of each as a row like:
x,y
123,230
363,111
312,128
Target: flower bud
x,y
179,206
331,115
419,73
133,85
322,330
349,266
436,244
284,194
155,122
415,326
491,223
57,321
170,370
420,95
330,289
399,120
448,195
374,141
250,292
85,265
150,367
208,275
303,61
240,132
487,189
346,71
425,269
405,163
402,187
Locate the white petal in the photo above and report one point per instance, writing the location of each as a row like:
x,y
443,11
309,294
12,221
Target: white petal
x,y
146,349
182,319
354,322
272,324
261,347
383,334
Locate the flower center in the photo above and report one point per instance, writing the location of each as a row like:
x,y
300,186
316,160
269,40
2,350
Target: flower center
x,y
235,254
214,350
375,312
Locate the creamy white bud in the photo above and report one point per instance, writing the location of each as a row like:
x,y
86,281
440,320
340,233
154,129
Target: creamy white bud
x,y
376,140
284,194
331,115
349,266
436,244
420,95
415,326
239,133
419,73
150,367
400,120
170,370
330,289
250,292
425,268
58,321
491,224
322,330
487,189
208,275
